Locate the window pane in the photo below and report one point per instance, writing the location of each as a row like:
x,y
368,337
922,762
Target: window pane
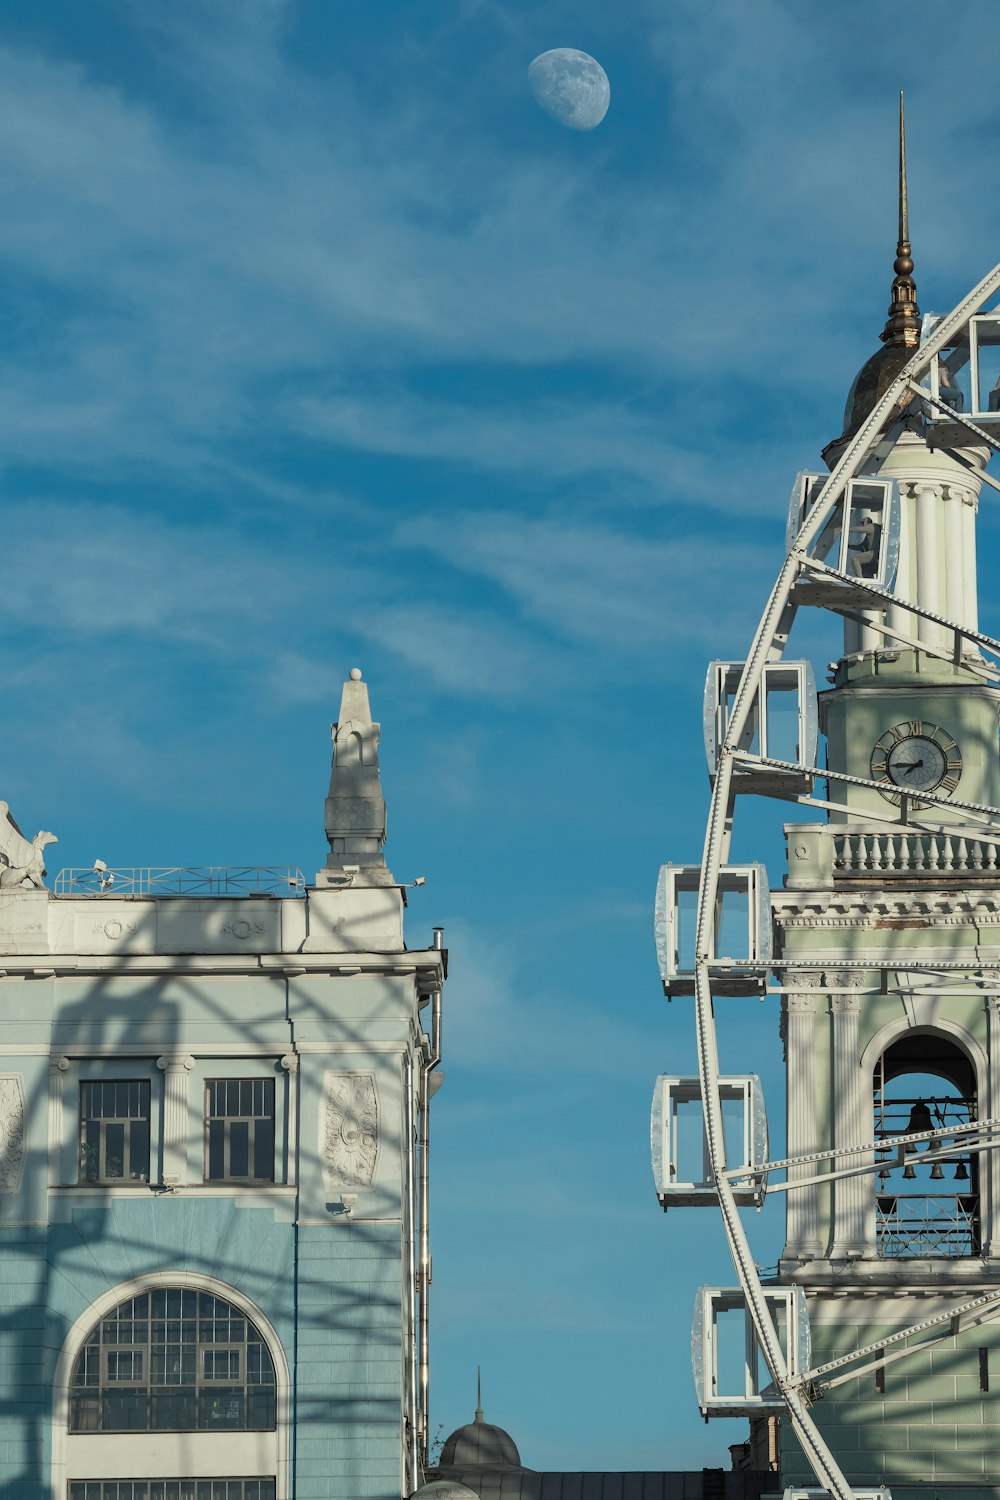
x,y
90,1152
124,1411
221,1409
139,1151
173,1410
216,1150
114,1151
239,1148
263,1150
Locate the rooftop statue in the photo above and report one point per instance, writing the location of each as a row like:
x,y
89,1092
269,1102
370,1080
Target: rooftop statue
x,y
21,860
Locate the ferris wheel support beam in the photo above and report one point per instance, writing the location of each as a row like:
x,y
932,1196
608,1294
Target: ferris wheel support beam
x,y
886,597
769,638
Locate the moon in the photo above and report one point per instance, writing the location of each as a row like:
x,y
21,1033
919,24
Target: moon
x,y
570,86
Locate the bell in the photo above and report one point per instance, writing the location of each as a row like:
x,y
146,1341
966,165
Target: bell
x,y
910,1171
883,1176
920,1118
937,1171
961,1172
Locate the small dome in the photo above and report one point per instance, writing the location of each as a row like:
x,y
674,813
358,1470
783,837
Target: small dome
x,y
479,1445
444,1489
871,382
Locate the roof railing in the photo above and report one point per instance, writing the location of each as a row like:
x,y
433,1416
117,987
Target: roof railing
x,y
181,880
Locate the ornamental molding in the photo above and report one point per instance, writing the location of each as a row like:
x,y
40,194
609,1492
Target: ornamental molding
x,y
890,922
846,979
175,1063
845,1004
114,928
804,979
957,909
349,1130
241,929
11,1131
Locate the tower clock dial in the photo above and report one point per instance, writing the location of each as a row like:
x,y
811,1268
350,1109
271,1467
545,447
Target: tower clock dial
x,y
915,757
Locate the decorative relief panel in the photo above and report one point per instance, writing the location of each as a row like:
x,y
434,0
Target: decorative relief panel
x,y
242,929
113,929
349,1130
11,1131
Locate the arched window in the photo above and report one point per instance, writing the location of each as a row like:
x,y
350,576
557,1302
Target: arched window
x,y
173,1360
924,1081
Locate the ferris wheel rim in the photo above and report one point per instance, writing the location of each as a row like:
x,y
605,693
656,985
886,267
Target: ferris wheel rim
x,y
768,645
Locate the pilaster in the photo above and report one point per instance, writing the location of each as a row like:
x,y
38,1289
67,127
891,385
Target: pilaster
x,y
175,1116
853,1226
929,560
802,1223
290,1063
58,1067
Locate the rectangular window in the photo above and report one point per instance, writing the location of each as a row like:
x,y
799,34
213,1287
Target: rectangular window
x,y
114,1130
171,1489
239,1117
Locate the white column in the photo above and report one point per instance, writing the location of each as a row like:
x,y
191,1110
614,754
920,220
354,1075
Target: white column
x,y
905,586
930,563
57,1077
989,1161
290,1063
956,592
175,1117
852,637
872,640
853,1197
969,509
802,1231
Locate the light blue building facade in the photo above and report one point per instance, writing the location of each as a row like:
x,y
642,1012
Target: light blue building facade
x,y
210,1208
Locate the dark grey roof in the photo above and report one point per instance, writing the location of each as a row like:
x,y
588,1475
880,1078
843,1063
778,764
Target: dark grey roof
x,y
478,1445
529,1484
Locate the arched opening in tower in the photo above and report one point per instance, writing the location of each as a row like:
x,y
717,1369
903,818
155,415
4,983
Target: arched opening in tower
x,y
927,1193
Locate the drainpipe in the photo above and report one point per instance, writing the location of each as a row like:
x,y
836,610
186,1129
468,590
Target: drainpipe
x,y
424,1269
412,1398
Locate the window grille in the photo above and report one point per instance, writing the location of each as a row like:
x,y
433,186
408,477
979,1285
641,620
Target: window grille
x,y
173,1360
114,1130
171,1489
239,1114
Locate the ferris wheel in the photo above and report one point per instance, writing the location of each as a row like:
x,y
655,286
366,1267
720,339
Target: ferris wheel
x,y
925,822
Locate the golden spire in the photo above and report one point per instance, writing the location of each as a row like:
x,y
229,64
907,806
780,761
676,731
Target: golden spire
x,y
903,326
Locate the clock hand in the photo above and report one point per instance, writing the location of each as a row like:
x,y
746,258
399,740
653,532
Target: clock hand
x,y
908,767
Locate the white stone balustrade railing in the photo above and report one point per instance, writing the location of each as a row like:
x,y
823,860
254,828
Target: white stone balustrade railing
x,y
817,854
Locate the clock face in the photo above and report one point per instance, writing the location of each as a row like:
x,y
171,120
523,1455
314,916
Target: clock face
x,y
915,757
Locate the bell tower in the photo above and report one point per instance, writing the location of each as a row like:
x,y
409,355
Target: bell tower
x,y
887,931
877,1338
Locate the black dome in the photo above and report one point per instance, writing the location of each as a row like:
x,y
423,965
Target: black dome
x,y
871,382
479,1445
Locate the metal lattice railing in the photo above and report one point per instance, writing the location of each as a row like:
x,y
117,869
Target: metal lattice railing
x,y
926,1224
181,880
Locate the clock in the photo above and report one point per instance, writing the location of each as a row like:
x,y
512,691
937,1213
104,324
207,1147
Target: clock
x,y
915,757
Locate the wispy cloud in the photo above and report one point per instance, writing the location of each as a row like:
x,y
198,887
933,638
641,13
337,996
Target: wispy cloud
x,y
600,585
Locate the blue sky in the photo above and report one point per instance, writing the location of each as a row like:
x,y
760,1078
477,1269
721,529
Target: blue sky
x,y
324,346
